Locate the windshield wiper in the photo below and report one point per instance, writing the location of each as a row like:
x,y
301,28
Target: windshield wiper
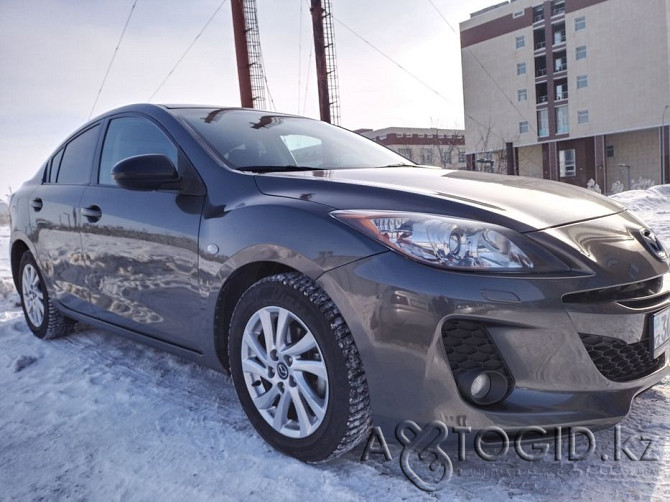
x,y
400,164
268,169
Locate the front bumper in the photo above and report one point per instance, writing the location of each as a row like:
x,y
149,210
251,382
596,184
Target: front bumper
x,y
399,312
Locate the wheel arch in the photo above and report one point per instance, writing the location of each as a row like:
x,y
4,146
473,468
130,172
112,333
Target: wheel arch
x,y
18,249
231,291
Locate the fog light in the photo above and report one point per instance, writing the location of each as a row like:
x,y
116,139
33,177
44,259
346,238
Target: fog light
x,y
483,388
480,386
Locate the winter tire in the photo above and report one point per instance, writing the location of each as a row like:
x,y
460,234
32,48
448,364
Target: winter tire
x,y
296,369
43,319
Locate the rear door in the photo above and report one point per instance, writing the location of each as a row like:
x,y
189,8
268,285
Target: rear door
x,y
141,246
54,218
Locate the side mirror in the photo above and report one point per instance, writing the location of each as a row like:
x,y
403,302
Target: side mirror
x,y
145,172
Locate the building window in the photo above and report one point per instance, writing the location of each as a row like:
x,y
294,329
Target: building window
x,y
580,23
582,81
523,127
522,95
543,123
610,151
562,125
557,7
461,157
561,91
566,160
518,13
405,152
581,52
520,41
521,68
426,156
560,61
582,116
446,156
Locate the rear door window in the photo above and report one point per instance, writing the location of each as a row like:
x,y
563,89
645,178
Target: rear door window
x,y
77,161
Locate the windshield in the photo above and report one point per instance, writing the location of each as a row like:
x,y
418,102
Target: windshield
x,y
250,140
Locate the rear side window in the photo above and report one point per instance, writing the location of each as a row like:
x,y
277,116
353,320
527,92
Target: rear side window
x,y
54,166
77,161
131,136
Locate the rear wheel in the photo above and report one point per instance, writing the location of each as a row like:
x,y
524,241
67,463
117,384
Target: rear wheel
x,y
43,319
296,369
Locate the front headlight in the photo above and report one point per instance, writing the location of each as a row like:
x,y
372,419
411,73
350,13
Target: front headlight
x,y
454,243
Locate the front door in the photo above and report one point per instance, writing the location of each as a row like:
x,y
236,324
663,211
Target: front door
x,y
141,247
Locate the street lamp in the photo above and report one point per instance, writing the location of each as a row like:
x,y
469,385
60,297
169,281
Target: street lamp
x,y
627,167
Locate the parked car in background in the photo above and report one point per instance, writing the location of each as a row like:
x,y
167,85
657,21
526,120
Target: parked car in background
x,y
339,283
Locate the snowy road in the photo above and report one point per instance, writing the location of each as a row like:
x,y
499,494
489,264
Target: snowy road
x,y
97,417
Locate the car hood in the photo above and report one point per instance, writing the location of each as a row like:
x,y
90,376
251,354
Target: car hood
x,y
523,203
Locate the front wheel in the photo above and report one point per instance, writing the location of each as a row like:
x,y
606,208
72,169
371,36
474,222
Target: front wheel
x,y
43,319
297,370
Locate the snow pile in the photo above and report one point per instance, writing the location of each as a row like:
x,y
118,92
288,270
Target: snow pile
x,y
97,417
652,206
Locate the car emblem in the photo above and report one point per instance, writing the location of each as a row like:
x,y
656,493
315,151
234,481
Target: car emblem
x,y
652,243
282,371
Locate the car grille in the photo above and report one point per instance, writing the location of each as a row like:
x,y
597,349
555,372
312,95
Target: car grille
x,y
620,361
639,295
470,348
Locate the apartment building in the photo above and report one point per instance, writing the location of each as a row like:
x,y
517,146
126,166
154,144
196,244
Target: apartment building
x,y
430,146
570,90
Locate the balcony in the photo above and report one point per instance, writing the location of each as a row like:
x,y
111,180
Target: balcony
x,y
538,17
558,10
561,67
540,45
561,96
541,72
542,99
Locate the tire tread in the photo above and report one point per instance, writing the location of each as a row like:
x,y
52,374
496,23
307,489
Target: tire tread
x,y
57,325
360,414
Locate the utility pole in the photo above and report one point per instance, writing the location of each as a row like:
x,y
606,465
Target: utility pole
x,y
326,67
242,53
250,71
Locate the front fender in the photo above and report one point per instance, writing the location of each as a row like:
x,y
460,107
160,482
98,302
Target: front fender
x,y
298,234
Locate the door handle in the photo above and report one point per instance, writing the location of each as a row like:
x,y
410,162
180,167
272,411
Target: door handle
x,y
93,213
36,204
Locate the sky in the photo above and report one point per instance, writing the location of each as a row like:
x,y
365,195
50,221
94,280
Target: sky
x,y
54,56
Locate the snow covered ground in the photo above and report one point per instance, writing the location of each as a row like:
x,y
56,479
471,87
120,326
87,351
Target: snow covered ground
x,y
97,417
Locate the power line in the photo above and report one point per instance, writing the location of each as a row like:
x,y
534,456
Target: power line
x,y
495,82
187,50
111,62
486,71
437,93
423,83
299,56
309,66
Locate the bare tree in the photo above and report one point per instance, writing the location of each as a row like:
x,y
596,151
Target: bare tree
x,y
445,146
491,149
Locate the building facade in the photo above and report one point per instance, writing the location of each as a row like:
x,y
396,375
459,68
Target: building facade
x,y
580,88
429,146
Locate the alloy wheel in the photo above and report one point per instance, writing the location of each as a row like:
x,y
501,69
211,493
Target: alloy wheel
x,y
33,297
284,372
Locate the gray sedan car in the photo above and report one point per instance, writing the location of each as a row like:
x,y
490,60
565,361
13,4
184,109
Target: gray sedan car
x,y
340,284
